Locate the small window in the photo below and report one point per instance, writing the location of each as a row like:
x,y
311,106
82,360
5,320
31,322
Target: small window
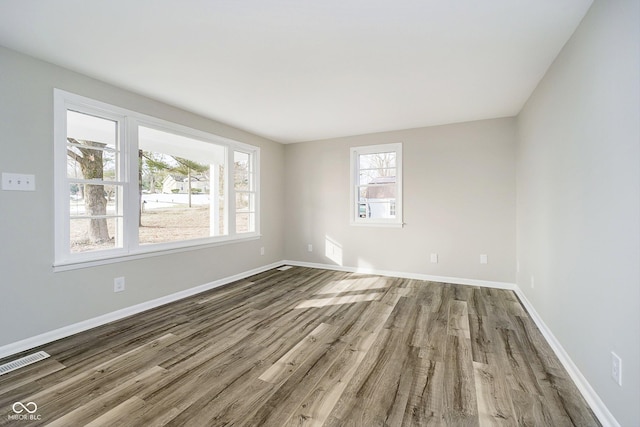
x,y
376,178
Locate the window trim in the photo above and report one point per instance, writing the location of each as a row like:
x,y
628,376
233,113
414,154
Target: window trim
x,y
129,121
354,184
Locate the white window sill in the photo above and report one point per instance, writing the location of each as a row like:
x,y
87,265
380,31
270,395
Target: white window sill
x,y
146,252
378,224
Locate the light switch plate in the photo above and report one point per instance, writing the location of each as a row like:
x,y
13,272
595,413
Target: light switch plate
x,y
18,182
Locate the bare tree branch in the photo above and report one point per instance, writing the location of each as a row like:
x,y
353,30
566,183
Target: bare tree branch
x,y
74,156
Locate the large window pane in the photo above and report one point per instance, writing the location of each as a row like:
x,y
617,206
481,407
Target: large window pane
x,y
182,187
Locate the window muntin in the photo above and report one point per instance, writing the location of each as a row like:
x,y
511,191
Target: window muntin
x,y
376,172
122,148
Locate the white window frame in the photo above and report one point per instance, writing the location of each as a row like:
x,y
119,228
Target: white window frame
x,y
128,139
354,186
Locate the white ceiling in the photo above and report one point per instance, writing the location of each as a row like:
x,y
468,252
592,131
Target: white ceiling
x,y
298,70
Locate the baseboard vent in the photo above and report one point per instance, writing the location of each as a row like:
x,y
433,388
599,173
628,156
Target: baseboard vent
x,y
22,362
284,267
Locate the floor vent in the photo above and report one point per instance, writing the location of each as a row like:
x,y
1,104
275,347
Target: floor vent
x,y
284,267
22,362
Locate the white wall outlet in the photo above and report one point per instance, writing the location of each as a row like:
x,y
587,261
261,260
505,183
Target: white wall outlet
x,y
533,282
310,247
18,182
262,250
118,284
484,259
434,258
616,368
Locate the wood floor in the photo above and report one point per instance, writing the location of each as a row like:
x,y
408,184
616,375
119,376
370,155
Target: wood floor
x,y
307,347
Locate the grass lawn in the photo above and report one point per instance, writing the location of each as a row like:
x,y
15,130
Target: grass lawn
x,y
158,226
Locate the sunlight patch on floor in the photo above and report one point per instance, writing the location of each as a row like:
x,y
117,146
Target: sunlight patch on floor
x,y
359,284
349,299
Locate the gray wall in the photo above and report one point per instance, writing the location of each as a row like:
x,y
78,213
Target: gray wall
x,y
459,202
575,148
36,300
578,163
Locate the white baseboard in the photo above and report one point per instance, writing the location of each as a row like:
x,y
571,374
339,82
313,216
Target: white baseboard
x,y
56,334
417,276
597,405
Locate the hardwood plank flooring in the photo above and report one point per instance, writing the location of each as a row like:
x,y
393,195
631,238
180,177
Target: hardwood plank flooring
x,y
307,347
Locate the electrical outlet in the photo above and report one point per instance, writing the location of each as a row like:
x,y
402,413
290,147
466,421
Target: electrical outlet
x,y
18,182
118,284
484,259
262,250
310,247
434,258
616,368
